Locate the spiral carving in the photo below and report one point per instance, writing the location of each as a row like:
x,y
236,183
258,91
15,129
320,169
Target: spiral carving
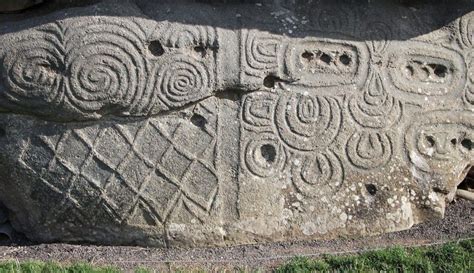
x,y
183,80
261,51
368,150
307,122
105,64
257,110
315,173
33,69
466,30
264,155
375,108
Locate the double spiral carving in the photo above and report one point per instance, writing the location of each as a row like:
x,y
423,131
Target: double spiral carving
x,y
307,122
183,80
105,63
33,68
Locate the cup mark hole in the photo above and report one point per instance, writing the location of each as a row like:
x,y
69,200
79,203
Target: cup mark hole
x,y
430,140
268,152
467,143
325,58
156,48
200,50
270,81
440,70
307,55
371,189
198,121
345,59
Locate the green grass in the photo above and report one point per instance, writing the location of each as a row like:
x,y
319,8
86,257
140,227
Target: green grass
x,y
41,267
450,257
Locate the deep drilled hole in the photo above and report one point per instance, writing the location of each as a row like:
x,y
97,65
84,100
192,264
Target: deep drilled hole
x,y
201,50
156,48
371,189
467,143
440,71
3,133
454,141
198,120
410,70
344,59
307,55
269,81
430,140
325,58
268,153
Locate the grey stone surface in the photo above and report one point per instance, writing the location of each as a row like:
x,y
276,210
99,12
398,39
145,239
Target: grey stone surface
x,y
194,124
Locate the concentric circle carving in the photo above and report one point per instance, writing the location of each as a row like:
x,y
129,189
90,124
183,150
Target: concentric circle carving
x,y
183,80
264,155
105,65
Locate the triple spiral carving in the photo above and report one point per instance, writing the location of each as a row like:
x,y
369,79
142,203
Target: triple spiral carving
x,y
87,69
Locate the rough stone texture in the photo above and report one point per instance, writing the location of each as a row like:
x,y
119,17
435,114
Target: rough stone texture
x,y
194,124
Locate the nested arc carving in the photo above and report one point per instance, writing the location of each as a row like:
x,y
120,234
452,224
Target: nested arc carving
x,y
307,122
374,107
103,66
272,146
318,174
369,150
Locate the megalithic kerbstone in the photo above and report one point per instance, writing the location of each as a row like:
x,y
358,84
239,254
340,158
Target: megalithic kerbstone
x,y
159,124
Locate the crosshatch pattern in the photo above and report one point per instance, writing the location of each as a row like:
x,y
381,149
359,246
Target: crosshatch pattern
x,y
125,168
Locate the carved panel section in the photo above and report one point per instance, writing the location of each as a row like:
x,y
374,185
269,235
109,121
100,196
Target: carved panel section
x,y
85,69
425,70
136,172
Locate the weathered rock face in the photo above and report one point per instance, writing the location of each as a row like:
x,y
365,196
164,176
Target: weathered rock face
x,y
191,125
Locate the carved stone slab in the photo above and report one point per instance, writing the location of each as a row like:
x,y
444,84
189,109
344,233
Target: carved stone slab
x,y
195,125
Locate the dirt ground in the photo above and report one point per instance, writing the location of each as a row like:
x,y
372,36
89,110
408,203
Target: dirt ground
x,y
458,224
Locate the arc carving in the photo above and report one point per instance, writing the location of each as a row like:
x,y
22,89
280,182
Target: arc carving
x,y
369,150
307,122
375,107
318,174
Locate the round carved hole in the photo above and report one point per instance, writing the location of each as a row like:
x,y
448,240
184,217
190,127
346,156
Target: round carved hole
x,y
454,141
200,50
325,58
409,70
307,55
269,81
198,120
268,152
430,140
467,143
371,189
440,71
156,48
344,59
3,133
